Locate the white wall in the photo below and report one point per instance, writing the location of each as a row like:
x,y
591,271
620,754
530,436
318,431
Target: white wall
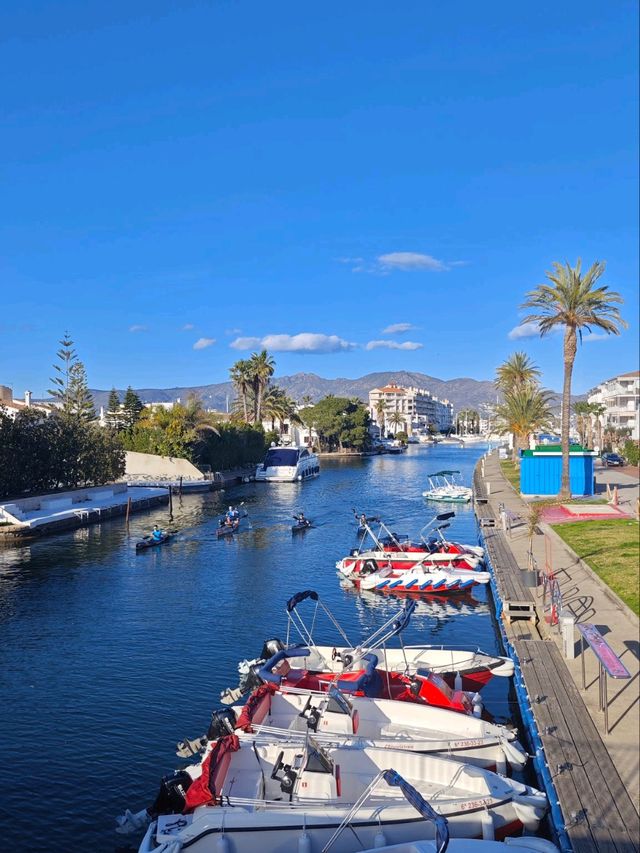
x,y
148,465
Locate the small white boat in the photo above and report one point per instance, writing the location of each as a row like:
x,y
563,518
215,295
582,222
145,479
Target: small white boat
x,y
444,488
288,465
269,796
372,573
359,722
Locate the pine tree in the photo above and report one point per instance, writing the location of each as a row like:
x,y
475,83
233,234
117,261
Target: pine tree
x,y
79,396
132,407
70,387
62,377
114,414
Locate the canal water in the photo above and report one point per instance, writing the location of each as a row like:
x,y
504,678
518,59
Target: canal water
x,y
108,657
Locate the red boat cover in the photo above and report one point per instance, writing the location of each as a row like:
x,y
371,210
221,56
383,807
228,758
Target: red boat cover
x,y
249,712
214,768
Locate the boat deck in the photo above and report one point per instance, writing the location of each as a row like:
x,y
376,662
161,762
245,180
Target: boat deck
x,y
593,809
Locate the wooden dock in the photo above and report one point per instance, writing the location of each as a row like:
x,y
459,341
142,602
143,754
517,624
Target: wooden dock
x,y
592,810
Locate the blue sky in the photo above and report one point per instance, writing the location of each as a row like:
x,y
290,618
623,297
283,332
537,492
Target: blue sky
x,y
182,182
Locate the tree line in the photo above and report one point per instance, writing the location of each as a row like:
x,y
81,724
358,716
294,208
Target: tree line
x,y
67,448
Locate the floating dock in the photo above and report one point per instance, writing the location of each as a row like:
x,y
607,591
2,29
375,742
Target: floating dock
x,y
591,810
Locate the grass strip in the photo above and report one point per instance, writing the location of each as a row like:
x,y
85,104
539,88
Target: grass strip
x,y
612,549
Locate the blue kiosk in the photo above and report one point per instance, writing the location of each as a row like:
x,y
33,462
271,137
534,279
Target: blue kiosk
x,y
541,470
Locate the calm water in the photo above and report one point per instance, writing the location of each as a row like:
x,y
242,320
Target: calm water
x,y
107,658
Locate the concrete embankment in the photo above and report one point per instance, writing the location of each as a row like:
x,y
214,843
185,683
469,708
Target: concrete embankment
x,y
39,515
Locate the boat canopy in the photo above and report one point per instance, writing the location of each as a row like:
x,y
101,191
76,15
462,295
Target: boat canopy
x,y
443,474
281,457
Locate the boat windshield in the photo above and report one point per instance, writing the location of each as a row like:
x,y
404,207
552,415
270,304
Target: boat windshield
x,y
338,703
281,457
317,759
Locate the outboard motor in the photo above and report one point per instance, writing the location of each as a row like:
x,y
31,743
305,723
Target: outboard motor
x,y
223,722
172,794
270,648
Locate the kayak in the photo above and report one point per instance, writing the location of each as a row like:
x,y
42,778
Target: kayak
x,y
150,542
301,525
228,529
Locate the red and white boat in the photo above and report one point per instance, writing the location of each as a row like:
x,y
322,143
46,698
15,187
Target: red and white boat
x,y
379,575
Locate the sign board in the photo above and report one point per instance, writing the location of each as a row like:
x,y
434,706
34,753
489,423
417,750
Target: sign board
x,y
603,651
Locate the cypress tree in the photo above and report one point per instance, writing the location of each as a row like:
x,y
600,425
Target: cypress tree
x,y
114,414
132,407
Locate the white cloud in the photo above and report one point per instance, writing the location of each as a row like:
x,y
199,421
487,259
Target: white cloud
x,y
303,342
398,328
410,262
137,328
405,345
594,336
524,330
203,343
188,327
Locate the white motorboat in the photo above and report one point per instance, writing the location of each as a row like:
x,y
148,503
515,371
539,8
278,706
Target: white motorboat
x,y
444,488
359,722
419,579
288,465
261,796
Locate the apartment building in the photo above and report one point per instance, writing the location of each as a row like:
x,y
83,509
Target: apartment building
x,y
621,398
417,406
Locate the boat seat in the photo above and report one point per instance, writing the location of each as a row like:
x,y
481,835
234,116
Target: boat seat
x,y
246,783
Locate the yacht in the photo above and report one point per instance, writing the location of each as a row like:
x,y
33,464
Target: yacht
x,y
287,464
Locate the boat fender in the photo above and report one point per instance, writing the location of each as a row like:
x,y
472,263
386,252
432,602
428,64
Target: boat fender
x,y
514,753
530,809
486,821
476,701
457,682
379,839
304,843
223,845
530,844
223,722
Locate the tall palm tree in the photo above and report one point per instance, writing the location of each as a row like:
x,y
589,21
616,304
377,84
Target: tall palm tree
x,y
240,373
598,410
582,411
381,410
517,370
575,302
524,411
262,367
396,419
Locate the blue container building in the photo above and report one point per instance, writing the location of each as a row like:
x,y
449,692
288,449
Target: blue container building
x,y
541,470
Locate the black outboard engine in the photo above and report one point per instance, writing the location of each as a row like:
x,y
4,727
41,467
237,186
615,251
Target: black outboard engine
x,y
223,722
271,647
172,794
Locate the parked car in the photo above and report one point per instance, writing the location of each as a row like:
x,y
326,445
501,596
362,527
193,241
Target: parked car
x,y
611,459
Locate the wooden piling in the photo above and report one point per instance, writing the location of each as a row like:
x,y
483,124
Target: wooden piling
x,y
180,487
170,503
128,511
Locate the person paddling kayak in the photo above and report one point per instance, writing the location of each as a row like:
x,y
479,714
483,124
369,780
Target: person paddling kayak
x,y
157,534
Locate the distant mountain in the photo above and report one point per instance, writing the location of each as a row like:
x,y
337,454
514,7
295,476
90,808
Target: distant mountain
x,y
463,392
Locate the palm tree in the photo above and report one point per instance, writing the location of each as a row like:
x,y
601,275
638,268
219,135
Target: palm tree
x,y
524,411
396,420
240,374
598,410
517,370
262,367
279,407
381,410
575,302
582,410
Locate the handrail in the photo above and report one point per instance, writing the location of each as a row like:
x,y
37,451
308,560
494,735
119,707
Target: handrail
x,y
609,664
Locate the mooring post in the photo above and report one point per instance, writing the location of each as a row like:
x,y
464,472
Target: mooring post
x,y
180,487
170,503
128,511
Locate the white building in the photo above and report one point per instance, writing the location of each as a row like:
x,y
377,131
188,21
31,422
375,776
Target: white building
x,y
12,406
621,398
418,407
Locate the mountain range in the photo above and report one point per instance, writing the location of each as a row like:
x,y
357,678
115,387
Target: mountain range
x,y
463,392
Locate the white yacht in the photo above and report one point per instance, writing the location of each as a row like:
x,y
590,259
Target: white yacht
x,y
288,464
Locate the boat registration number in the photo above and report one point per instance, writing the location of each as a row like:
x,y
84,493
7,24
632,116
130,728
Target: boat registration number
x,y
468,742
475,804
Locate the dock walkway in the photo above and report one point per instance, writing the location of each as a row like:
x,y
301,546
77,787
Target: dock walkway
x,y
595,775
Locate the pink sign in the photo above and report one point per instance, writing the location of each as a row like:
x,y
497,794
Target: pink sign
x,y
603,651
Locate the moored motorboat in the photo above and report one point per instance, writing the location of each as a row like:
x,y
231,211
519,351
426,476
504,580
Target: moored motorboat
x,y
444,488
288,465
269,796
359,721
418,579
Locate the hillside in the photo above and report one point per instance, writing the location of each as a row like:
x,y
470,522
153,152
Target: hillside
x,y
462,392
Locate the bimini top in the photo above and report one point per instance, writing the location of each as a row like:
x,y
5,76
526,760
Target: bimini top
x,y
443,473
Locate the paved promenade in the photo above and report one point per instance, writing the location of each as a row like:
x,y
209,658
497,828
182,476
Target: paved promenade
x,y
591,601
